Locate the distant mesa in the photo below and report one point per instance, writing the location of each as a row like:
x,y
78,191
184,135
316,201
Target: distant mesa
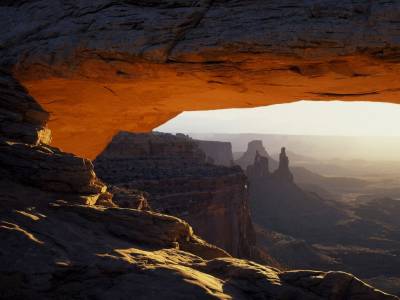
x,y
219,153
253,147
259,169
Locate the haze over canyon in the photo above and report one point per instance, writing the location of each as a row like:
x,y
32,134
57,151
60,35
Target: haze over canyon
x,y
97,203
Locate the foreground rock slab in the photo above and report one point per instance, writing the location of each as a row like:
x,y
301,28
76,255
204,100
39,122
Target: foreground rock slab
x,y
111,253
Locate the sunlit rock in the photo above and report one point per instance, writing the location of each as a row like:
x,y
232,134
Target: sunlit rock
x,y
133,65
175,173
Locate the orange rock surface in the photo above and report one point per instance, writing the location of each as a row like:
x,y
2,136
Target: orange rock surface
x,y
89,104
103,66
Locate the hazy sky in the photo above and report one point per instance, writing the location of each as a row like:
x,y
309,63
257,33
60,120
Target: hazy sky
x,y
303,117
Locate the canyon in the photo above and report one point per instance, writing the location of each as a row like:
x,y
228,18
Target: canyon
x,y
173,170
90,69
301,229
63,236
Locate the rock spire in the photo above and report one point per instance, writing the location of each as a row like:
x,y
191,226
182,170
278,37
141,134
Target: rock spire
x,y
283,171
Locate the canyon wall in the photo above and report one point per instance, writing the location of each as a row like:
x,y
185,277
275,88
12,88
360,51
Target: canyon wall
x,y
26,158
254,149
63,237
175,173
97,67
219,153
278,204
132,65
293,223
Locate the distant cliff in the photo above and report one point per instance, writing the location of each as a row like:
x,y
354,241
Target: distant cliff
x,y
277,203
300,229
253,147
219,152
175,173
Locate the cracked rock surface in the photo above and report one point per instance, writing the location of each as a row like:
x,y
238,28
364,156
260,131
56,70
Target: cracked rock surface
x,y
107,253
54,247
61,234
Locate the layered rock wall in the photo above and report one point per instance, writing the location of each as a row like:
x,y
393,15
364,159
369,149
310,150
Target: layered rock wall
x,y
52,247
175,173
22,118
259,169
26,157
56,218
220,153
101,66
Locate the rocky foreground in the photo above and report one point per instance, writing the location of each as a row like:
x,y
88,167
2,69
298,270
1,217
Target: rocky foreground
x,y
63,237
80,252
133,65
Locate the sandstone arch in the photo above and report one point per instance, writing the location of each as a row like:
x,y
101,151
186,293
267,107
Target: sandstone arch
x,y
101,66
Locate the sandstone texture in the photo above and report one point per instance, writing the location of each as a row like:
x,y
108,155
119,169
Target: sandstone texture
x,y
81,252
130,198
59,227
55,248
152,60
22,118
100,66
26,157
175,173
